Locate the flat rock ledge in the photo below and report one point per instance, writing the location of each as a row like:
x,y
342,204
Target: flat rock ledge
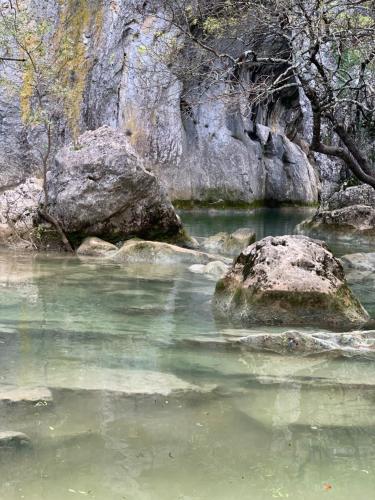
x,y
126,382
154,252
288,280
26,395
354,344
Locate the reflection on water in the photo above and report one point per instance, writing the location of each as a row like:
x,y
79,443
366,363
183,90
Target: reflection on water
x,y
141,411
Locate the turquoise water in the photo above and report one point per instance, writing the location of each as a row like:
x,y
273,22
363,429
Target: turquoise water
x,y
150,403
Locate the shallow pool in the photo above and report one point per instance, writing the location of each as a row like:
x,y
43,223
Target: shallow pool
x,y
148,401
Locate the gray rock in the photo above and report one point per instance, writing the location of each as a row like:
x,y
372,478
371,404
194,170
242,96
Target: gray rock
x,y
216,269
358,195
11,439
359,261
18,210
100,188
211,152
153,252
354,218
288,280
197,268
95,247
229,244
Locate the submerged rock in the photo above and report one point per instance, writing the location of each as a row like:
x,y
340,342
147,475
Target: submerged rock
x,y
229,244
99,187
153,252
308,402
11,439
288,280
125,382
95,247
216,269
358,344
29,395
359,261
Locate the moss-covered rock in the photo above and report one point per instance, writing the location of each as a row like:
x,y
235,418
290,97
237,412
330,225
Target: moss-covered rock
x,y
288,280
103,189
95,247
155,252
229,244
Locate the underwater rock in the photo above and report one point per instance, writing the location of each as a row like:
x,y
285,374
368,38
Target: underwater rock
x,y
125,382
153,252
355,344
359,261
32,395
95,247
229,244
11,439
288,280
310,403
216,269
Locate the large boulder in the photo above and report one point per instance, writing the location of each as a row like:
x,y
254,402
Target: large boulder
x,y
154,252
99,187
288,280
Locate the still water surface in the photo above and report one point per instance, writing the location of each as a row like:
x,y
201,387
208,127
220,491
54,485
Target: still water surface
x,y
149,403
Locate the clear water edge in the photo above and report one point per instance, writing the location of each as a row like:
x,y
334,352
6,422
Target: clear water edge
x,y
271,427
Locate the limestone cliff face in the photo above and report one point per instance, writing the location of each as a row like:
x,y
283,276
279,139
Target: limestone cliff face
x,y
201,151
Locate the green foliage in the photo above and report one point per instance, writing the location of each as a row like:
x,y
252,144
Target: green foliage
x,y
55,64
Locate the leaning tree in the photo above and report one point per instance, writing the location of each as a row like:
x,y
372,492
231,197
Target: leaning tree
x,y
38,60
259,49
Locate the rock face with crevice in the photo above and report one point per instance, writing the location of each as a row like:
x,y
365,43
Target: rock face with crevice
x,y
100,187
203,150
288,280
